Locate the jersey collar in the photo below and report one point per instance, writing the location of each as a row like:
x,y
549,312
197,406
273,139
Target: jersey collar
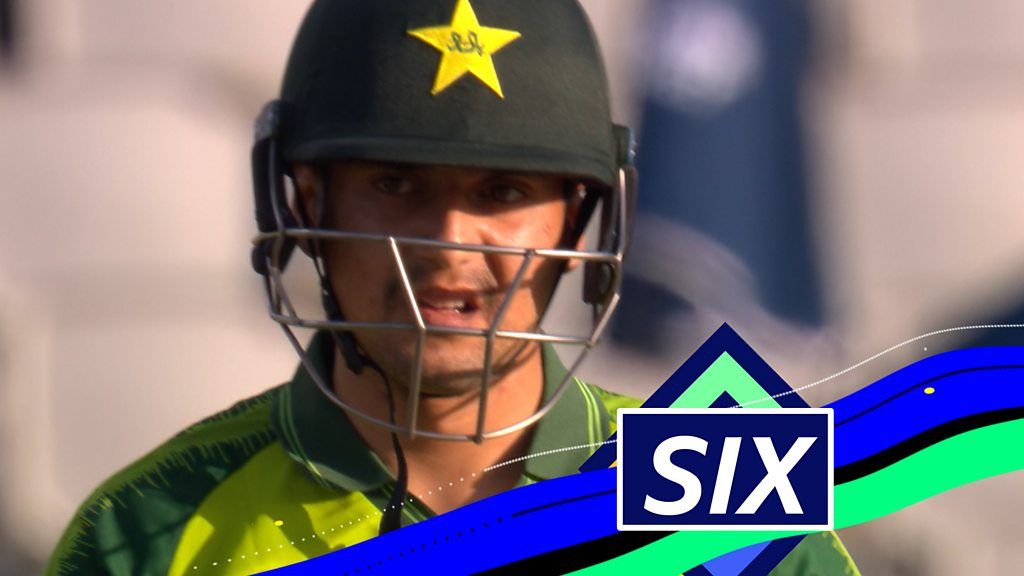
x,y
319,436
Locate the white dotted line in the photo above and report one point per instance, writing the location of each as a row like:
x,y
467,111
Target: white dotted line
x,y
440,488
883,353
546,452
312,537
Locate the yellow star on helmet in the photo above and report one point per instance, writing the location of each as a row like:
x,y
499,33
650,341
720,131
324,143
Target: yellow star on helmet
x,y
465,46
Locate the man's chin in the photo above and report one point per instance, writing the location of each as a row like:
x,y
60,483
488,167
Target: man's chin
x,y
468,392
448,374
453,383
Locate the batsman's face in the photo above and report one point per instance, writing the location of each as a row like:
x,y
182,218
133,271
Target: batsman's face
x,y
452,287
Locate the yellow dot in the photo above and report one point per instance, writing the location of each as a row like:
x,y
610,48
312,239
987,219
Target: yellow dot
x,y
278,523
929,390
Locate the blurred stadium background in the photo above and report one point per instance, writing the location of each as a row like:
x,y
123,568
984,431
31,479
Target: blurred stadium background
x,y
831,178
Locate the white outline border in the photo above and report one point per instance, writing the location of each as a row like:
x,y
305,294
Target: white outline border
x,y
725,527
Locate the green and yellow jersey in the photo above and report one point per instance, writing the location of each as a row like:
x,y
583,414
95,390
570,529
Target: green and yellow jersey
x,y
284,476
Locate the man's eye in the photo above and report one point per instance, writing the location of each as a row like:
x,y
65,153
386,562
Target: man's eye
x,y
506,194
395,185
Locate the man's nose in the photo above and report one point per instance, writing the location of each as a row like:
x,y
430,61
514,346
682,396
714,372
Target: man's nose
x,y
451,225
456,226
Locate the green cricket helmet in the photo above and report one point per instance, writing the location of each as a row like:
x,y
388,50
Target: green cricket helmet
x,y
509,85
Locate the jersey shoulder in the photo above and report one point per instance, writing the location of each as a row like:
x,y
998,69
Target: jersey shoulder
x,y
136,516
819,553
612,401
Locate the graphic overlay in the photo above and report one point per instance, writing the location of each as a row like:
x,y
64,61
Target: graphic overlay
x,y
724,469
723,373
940,423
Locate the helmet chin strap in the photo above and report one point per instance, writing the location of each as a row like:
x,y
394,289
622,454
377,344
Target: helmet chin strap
x,y
356,362
392,518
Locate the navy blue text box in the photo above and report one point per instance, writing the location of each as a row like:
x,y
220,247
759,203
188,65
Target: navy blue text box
x,y
648,500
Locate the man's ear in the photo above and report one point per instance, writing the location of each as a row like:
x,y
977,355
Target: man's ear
x,y
308,186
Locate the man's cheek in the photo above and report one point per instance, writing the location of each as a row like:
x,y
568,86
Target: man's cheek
x,y
522,313
361,297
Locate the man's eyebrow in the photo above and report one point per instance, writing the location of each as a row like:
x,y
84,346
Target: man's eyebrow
x,y
398,166
483,172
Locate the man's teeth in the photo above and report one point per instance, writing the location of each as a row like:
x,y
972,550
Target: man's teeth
x,y
446,304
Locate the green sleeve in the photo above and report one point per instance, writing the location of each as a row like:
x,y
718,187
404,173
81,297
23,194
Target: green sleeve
x,y
127,536
131,524
612,402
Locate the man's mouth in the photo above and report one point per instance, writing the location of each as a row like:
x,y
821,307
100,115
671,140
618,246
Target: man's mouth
x,y
451,308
